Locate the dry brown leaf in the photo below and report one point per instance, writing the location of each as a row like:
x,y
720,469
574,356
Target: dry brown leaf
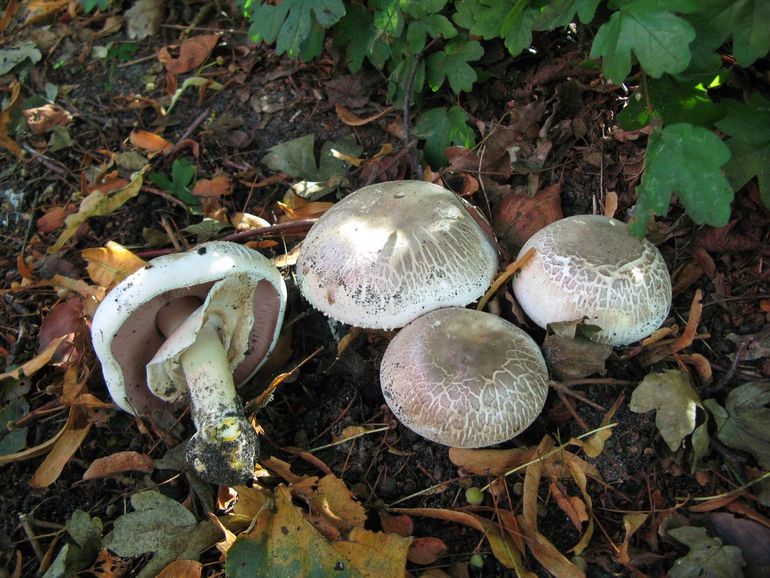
x,y
489,462
331,498
75,431
701,364
149,141
43,119
685,276
111,264
691,329
401,524
192,53
631,523
229,537
517,217
547,554
182,569
54,217
218,186
36,363
426,550
570,505
5,119
10,9
118,463
351,119
251,500
578,474
297,208
503,547
350,432
610,204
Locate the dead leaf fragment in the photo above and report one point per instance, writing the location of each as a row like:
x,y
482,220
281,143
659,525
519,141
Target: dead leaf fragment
x,y
351,119
517,217
490,462
75,431
118,463
149,141
192,53
218,186
426,550
111,264
43,119
144,18
5,120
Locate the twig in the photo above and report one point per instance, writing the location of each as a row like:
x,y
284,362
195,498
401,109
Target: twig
x,y
565,390
393,161
416,167
190,129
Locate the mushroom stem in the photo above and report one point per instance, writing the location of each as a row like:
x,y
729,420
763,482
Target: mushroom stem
x,y
225,440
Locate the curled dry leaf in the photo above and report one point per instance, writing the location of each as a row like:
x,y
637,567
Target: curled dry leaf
x,y
517,217
43,119
182,569
118,463
218,186
192,53
490,462
149,141
65,319
426,550
400,524
74,432
54,217
111,264
631,523
351,119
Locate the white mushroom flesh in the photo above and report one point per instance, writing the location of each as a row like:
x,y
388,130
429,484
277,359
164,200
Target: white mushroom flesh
x,y
464,378
389,252
588,266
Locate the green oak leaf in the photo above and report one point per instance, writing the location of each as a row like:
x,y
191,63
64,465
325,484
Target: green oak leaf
x,y
659,39
744,422
586,9
482,17
290,23
673,100
441,127
388,18
517,29
554,14
432,25
707,558
451,64
356,34
748,126
745,20
684,159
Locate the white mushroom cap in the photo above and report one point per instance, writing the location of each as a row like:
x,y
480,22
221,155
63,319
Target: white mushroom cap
x,y
389,252
464,378
126,337
589,266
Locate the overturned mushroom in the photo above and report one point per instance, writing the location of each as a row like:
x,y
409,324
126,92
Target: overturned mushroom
x,y
589,266
464,378
389,252
194,325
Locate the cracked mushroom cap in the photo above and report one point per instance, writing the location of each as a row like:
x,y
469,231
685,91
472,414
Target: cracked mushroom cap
x,y
589,266
389,252
464,378
249,296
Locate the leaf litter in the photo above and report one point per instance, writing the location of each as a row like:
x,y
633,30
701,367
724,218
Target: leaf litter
x,y
340,508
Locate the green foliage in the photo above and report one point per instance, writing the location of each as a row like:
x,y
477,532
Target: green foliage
x,y
684,159
672,49
89,5
441,127
295,26
182,176
707,558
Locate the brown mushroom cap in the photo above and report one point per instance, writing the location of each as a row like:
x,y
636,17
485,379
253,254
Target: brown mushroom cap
x,y
589,266
464,378
389,252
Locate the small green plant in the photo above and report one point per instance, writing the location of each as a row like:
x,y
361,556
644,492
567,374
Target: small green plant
x,y
182,176
672,52
89,5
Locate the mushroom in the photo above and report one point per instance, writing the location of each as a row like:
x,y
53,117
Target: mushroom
x,y
389,252
464,378
589,267
193,325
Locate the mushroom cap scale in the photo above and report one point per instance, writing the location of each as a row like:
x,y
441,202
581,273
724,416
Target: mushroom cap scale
x,y
589,266
124,331
388,252
464,378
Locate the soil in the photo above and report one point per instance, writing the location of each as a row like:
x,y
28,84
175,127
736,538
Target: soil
x,y
331,392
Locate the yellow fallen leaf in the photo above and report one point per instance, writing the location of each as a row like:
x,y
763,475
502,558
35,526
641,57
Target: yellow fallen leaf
x,y
110,264
98,204
36,363
330,498
75,431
